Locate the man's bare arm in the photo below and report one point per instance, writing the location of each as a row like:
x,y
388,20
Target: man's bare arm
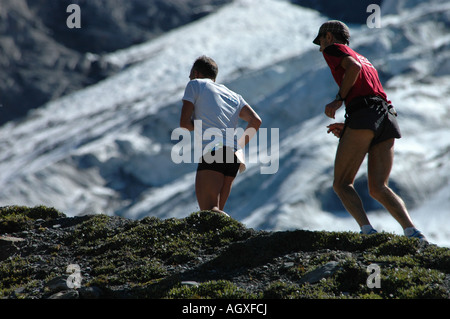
x,y
254,122
352,69
186,116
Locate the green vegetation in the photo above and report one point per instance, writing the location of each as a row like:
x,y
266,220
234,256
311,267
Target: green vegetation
x,y
18,218
150,258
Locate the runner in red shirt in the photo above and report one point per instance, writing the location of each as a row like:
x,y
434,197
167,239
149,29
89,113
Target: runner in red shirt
x,y
370,128
367,83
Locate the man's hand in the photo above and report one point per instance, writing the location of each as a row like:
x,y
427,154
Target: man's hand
x,y
331,108
336,129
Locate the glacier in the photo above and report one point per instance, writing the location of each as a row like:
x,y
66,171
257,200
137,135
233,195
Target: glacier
x,y
107,148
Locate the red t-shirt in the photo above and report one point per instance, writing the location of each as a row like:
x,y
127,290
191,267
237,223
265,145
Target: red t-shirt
x,y
367,83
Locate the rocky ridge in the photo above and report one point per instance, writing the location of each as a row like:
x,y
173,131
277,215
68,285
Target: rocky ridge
x,y
46,255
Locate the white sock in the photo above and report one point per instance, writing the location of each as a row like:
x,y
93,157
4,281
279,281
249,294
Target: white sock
x,y
366,229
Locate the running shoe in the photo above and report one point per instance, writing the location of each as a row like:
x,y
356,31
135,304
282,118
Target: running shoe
x,y
372,231
418,234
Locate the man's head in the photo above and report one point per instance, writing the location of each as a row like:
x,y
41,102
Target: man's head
x,y
330,32
204,67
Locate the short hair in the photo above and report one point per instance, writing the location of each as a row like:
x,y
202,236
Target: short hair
x,y
206,66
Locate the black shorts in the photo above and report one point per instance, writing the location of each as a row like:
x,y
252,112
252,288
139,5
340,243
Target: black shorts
x,y
218,161
373,113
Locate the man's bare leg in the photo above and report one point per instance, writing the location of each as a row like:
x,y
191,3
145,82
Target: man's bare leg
x,y
208,188
381,157
353,147
225,192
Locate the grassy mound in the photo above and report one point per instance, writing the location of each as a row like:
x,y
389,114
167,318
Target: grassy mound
x,y
207,255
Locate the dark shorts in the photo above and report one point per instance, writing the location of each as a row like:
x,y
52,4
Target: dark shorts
x,y
375,114
222,160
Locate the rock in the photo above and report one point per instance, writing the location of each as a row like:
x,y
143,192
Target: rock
x,y
321,272
189,283
57,284
9,246
17,292
65,294
90,292
288,264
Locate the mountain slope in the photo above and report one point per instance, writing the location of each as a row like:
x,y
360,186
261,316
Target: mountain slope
x,y
107,148
42,59
135,109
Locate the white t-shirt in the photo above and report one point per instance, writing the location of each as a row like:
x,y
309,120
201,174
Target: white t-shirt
x,y
217,107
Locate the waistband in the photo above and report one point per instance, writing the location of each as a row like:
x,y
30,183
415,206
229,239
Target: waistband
x,y
361,102
365,100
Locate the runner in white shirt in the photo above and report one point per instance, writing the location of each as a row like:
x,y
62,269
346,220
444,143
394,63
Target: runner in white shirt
x,y
218,108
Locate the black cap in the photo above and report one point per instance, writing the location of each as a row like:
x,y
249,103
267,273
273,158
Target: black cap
x,y
334,26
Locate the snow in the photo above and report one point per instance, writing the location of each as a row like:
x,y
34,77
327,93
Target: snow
x,y
106,149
